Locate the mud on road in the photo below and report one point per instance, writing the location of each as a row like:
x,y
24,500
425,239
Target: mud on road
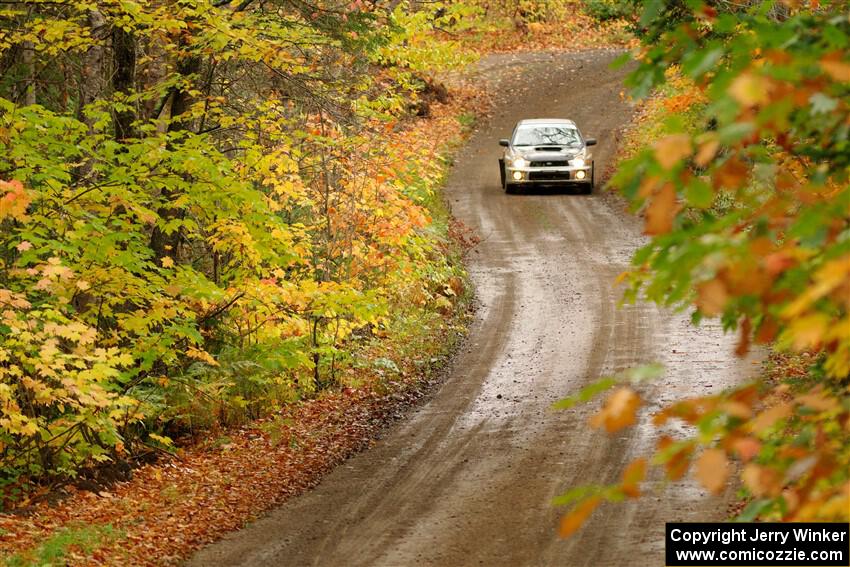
x,y
468,478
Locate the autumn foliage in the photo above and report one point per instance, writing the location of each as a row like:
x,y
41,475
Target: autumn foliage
x,y
206,212
742,179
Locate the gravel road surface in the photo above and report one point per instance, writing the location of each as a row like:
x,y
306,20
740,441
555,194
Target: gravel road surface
x,y
468,478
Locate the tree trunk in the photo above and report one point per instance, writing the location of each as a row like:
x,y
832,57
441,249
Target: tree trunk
x,y
93,71
28,59
164,244
123,78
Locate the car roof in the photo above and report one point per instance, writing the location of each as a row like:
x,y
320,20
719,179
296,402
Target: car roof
x,y
552,121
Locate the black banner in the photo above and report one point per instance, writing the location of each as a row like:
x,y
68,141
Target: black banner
x,y
768,544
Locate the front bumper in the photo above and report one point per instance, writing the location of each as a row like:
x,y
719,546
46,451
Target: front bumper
x,y
563,174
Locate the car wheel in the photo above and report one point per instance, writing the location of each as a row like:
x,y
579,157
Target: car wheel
x,y
502,171
588,188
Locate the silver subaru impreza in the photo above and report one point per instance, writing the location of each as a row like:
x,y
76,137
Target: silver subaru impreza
x,y
548,151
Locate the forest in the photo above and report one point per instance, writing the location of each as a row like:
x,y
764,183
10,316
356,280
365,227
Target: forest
x,y
226,216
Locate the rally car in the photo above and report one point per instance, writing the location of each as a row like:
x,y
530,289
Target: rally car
x,y
548,151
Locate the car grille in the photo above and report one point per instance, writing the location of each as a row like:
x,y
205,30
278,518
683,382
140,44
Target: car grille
x,y
548,175
549,163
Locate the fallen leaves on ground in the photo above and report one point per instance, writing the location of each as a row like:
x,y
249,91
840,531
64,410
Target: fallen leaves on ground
x,y
176,506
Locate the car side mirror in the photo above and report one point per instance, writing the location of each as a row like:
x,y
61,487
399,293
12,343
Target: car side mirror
x,y
590,142
504,142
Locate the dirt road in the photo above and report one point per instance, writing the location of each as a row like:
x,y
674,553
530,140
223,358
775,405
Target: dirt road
x,y
469,477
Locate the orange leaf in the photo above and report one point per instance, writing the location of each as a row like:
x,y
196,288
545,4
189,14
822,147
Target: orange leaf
x,y
767,330
677,465
632,476
761,481
836,68
671,150
737,409
13,200
712,297
712,470
768,417
778,262
661,211
577,516
731,174
706,152
818,400
744,341
746,448
619,410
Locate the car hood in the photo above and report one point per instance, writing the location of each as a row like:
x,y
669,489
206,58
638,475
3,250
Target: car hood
x,y
533,154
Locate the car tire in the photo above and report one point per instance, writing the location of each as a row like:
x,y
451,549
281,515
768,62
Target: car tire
x,y
588,187
510,188
502,172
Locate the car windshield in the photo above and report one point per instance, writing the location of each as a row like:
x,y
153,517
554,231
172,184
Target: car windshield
x,y
547,135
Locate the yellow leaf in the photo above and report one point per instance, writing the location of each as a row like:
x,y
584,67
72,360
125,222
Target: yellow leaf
x,y
671,150
750,90
807,332
29,428
832,275
619,410
712,470
167,262
202,355
577,516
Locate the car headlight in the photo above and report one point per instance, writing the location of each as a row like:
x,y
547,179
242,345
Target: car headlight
x,y
519,162
577,162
